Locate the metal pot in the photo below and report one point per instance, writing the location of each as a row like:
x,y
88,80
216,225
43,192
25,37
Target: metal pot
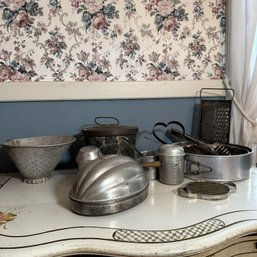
x,y
219,167
105,136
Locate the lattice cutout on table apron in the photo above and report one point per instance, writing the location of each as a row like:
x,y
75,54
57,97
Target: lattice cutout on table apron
x,y
172,235
215,119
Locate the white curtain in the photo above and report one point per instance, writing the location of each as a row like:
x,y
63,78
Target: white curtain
x,y
241,67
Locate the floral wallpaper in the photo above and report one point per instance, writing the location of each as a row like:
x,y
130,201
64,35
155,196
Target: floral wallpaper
x,y
111,40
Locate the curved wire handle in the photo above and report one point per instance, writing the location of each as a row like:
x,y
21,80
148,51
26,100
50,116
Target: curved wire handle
x,y
102,124
161,124
124,139
225,89
106,156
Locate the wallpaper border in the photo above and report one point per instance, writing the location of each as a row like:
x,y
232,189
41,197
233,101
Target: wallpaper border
x,y
63,91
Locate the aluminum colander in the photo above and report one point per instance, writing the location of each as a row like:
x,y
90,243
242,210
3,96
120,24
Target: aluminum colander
x,y
37,157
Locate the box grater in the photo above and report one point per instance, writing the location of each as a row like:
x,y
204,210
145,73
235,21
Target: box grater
x,y
215,119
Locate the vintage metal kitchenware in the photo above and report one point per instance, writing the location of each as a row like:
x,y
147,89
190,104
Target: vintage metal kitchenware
x,y
215,116
200,164
150,163
110,185
214,148
164,126
105,135
125,141
147,159
206,190
180,135
171,170
36,157
232,167
86,155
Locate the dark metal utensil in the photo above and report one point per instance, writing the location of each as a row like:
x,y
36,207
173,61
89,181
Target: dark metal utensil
x,y
215,116
206,190
215,148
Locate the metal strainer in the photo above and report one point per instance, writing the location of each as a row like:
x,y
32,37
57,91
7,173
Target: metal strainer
x,y
37,157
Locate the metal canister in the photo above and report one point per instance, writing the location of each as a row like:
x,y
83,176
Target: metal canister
x,y
86,155
172,161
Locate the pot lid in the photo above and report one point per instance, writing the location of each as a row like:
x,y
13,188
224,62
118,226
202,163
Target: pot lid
x,y
171,150
87,153
110,129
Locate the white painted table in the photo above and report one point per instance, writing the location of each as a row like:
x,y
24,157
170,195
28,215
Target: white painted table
x,y
164,224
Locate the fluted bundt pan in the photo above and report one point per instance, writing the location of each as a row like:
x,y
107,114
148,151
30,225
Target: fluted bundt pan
x,y
109,185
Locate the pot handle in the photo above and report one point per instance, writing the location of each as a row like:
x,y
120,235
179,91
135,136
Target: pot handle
x,y
153,164
161,124
198,167
107,118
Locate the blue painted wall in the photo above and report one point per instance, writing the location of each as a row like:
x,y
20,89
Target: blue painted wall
x,y
26,119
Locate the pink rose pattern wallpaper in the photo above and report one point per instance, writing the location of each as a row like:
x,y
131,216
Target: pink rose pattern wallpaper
x,y
111,40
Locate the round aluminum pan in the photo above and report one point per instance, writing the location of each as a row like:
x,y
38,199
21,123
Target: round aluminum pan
x,y
109,185
220,168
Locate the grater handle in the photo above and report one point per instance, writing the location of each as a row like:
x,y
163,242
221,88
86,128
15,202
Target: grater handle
x,y
213,88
